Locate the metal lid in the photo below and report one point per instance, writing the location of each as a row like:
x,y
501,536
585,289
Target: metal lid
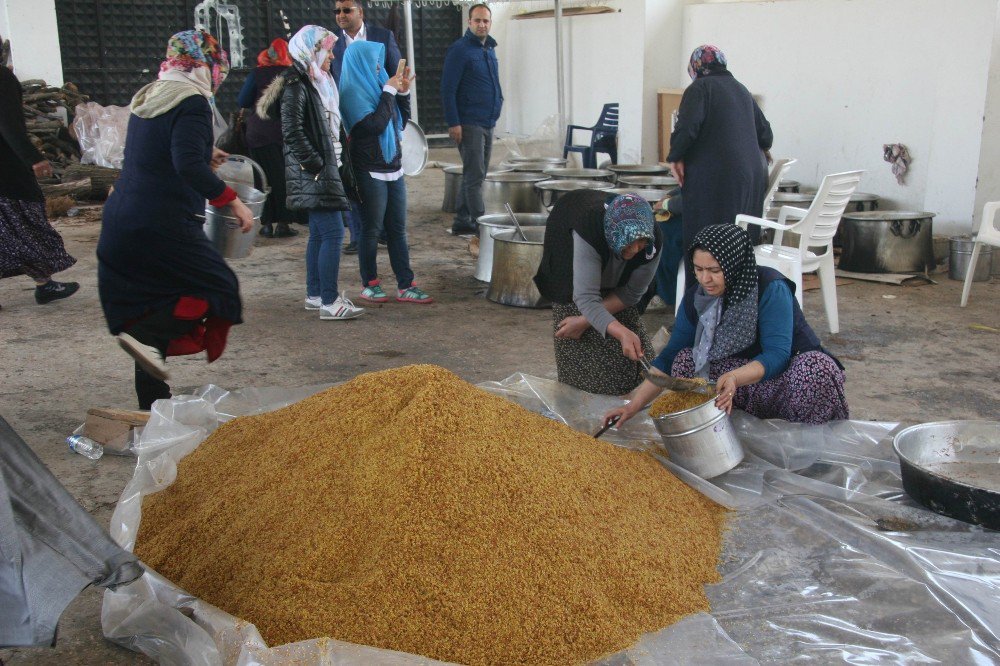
x,y
550,160
785,182
644,169
576,174
649,195
496,220
570,185
648,181
414,149
531,166
888,215
514,177
457,169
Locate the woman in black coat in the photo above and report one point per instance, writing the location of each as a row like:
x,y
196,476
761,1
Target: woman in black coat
x,y
718,149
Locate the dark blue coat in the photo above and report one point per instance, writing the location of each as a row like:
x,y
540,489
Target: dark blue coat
x,y
373,33
470,83
152,249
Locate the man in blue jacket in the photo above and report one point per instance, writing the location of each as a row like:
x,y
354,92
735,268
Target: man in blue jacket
x,y
352,26
472,99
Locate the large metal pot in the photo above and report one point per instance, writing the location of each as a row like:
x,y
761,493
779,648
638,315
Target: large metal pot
x,y
515,262
952,468
453,184
960,256
887,242
652,196
550,191
517,189
638,170
562,173
650,182
786,185
488,224
702,439
554,161
225,234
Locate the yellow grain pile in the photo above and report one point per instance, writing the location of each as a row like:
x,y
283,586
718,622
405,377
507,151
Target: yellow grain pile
x,y
677,401
408,510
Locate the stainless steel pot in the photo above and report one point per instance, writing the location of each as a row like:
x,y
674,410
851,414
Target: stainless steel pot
x,y
488,224
638,170
786,185
224,233
561,173
528,167
887,242
453,184
550,191
554,161
651,182
652,196
960,256
702,439
517,189
515,262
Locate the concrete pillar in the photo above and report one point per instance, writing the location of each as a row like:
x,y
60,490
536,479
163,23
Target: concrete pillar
x,y
30,25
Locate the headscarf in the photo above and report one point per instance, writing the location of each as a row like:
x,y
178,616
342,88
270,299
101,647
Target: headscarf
x,y
195,64
628,218
275,54
727,324
706,59
361,79
309,48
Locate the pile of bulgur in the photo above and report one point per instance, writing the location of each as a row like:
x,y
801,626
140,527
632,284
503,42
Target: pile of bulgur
x,y
409,510
671,402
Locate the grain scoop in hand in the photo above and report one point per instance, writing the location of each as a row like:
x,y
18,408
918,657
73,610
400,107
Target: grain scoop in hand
x,y
676,383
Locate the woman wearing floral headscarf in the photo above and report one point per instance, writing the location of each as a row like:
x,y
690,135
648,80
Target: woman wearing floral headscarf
x,y
264,138
598,260
718,147
375,108
741,326
310,124
164,288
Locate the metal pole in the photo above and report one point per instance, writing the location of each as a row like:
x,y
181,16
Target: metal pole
x,y
560,81
408,15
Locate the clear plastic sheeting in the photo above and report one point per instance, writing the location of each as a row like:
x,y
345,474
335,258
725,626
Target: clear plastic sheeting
x,y
101,131
545,141
825,557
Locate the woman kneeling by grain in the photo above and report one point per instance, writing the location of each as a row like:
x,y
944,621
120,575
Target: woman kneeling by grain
x,y
741,326
598,261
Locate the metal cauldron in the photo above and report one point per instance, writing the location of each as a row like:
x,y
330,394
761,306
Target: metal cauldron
x,y
638,170
224,233
960,256
702,439
786,185
550,191
562,173
554,161
517,189
515,262
530,167
887,242
488,224
649,182
652,196
453,185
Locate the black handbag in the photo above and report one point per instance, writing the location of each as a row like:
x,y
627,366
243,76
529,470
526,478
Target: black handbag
x,y
347,175
234,139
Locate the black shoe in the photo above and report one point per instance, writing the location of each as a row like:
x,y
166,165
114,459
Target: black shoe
x,y
285,231
351,248
464,230
267,231
53,291
382,241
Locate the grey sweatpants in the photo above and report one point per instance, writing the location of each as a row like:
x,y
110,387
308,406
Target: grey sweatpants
x,y
477,143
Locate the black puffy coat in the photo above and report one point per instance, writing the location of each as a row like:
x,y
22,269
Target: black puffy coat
x,y
312,179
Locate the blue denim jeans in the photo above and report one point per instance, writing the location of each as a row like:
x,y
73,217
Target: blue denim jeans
x,y
326,234
384,206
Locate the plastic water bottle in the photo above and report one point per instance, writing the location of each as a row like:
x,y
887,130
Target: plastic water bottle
x,y
85,446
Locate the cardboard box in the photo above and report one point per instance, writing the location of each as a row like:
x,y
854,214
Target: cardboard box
x,y
113,427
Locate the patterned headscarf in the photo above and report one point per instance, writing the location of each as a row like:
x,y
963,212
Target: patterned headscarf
x,y
726,325
275,54
310,47
195,56
706,59
628,218
361,79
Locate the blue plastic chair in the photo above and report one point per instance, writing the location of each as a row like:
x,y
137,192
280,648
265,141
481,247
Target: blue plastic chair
x,y
603,138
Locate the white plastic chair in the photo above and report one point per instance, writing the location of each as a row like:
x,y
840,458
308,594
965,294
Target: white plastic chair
x,y
778,170
816,227
988,234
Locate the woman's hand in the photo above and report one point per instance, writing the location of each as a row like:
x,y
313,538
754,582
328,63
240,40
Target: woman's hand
x,y
642,396
726,387
42,169
405,79
219,157
677,168
572,327
631,344
241,213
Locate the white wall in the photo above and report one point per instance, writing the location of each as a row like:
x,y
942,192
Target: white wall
x,y
30,25
988,185
663,66
839,78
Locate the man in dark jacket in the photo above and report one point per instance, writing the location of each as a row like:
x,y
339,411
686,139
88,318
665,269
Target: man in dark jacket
x,y
352,26
472,99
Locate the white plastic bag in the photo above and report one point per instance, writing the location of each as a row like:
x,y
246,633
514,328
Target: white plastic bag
x,y
101,131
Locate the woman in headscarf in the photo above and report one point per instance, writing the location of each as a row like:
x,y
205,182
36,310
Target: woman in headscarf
x,y
311,127
164,288
598,260
741,326
28,243
718,147
375,109
264,138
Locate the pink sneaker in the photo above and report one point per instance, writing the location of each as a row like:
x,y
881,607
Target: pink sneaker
x,y
413,294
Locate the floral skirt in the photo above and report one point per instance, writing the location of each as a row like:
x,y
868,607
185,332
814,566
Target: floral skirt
x,y
810,390
595,363
28,243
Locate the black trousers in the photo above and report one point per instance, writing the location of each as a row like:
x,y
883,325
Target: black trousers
x,y
156,330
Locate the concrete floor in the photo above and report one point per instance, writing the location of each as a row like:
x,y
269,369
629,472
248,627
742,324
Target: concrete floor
x,y
911,354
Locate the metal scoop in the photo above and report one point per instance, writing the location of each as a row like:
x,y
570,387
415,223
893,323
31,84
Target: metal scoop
x,y
510,211
676,383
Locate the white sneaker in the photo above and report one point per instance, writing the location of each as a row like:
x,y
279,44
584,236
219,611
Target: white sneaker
x,y
342,308
148,358
313,302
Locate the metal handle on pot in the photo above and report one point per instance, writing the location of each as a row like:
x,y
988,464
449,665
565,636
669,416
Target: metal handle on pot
x,y
542,193
256,167
896,226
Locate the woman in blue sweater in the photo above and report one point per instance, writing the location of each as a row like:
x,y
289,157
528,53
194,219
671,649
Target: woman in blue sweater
x,y
741,326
